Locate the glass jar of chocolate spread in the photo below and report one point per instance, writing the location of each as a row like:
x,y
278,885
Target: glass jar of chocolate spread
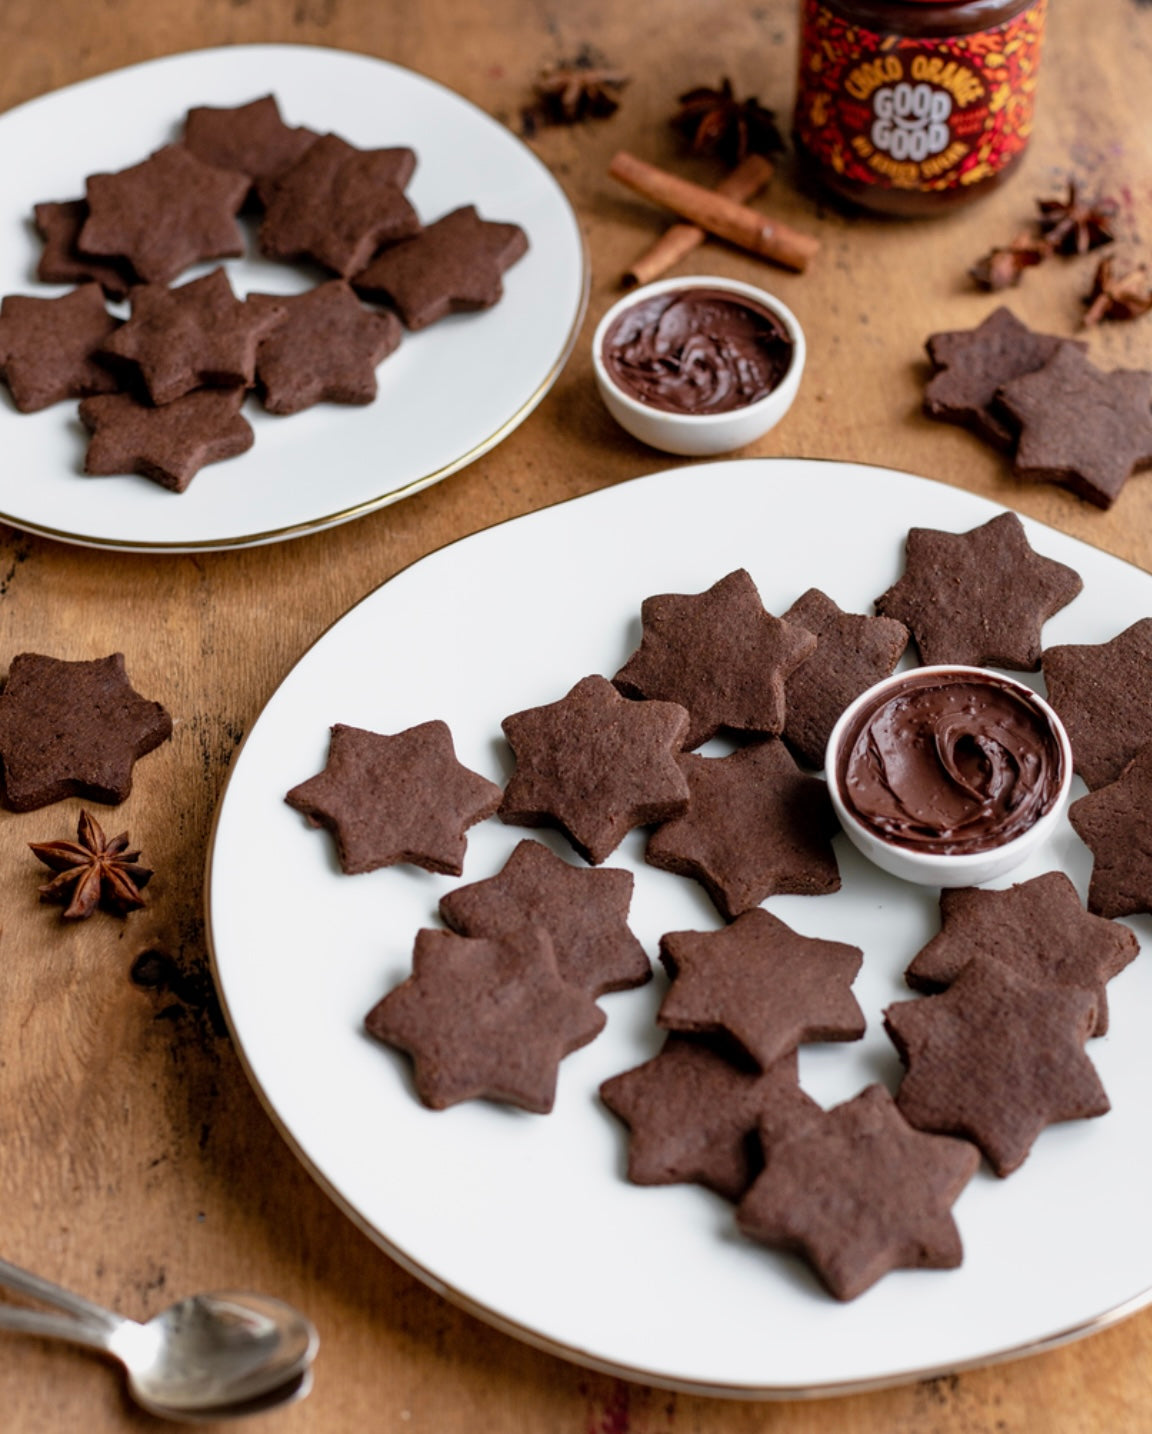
x,y
913,107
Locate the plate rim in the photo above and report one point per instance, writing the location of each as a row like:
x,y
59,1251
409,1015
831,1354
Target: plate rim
x,y
767,1392
290,531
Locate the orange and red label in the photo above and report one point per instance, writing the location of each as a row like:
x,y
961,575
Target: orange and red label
x,y
911,113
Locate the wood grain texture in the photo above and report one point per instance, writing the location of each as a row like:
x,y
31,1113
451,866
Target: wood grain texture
x,y
136,1164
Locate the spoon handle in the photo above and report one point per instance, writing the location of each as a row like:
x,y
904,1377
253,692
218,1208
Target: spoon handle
x,y
53,1326
94,1316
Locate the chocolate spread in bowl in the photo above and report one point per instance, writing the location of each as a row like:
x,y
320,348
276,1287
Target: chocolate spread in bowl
x,y
950,763
697,351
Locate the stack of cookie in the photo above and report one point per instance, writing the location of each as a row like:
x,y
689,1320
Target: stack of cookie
x,y
1012,987
162,391
1041,399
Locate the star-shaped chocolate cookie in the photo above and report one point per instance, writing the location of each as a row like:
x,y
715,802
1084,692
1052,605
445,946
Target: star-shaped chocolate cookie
x,y
1115,822
1103,694
978,598
761,983
252,138
454,264
170,445
973,364
584,912
61,261
852,652
162,215
996,1059
1039,928
755,824
485,1018
398,798
693,1115
199,334
595,765
858,1193
48,347
338,204
324,348
73,729
1081,427
719,653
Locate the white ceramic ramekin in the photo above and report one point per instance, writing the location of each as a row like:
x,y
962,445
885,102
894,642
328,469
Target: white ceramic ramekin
x,y
700,434
929,868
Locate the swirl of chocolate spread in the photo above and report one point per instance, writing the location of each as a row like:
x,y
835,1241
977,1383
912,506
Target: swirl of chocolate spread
x,y
950,763
697,351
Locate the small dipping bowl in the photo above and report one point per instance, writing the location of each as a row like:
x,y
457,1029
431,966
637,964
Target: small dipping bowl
x,y
949,775
670,360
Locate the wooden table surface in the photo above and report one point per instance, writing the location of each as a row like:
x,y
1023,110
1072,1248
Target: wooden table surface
x,y
136,1164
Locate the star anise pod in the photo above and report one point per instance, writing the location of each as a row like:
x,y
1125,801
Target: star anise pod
x,y
1118,296
1002,267
92,871
575,90
716,122
1074,225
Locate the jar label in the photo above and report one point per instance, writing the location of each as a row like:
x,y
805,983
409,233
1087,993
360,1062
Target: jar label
x,y
913,113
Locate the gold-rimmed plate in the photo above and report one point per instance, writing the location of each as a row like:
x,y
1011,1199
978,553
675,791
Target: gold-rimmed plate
x,y
447,395
528,1220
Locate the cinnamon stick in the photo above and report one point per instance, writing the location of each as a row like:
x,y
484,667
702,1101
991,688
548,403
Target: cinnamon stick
x,y
719,215
742,183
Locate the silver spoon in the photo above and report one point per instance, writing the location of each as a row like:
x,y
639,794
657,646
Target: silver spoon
x,y
211,1356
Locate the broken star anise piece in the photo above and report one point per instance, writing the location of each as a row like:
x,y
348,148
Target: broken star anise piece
x,y
716,122
1118,296
92,871
1074,225
575,90
1002,267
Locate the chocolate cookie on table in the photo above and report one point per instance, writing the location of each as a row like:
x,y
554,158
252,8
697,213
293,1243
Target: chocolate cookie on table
x,y
1103,695
852,652
73,729
766,986
49,347
1080,427
455,264
162,215
193,336
595,765
971,366
169,445
693,1115
584,912
858,1193
996,1059
718,653
1038,928
338,204
402,797
61,260
979,598
485,1018
252,138
755,825
323,348
1115,822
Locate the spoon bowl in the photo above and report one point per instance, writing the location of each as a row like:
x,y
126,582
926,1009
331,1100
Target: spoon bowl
x,y
211,1356
213,1349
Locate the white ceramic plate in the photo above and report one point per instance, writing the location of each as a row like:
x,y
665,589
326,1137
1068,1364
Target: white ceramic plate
x,y
527,1220
446,395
